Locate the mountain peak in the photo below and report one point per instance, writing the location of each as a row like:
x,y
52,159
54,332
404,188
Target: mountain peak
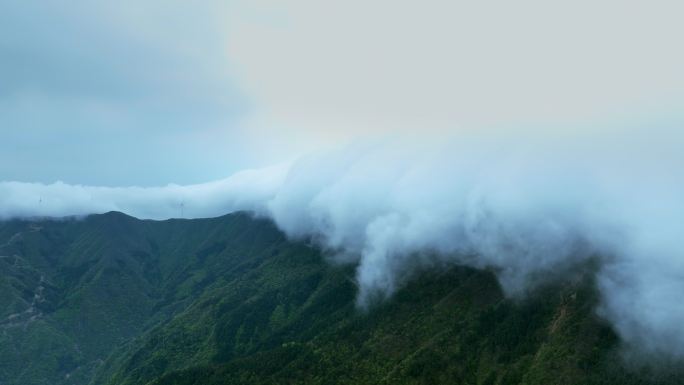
x,y
114,215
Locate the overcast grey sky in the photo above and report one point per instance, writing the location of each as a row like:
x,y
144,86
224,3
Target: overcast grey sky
x,y
153,92
116,93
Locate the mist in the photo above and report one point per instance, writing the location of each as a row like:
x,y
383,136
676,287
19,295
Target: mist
x,y
245,190
525,206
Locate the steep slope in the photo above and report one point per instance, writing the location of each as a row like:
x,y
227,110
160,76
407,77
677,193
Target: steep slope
x,y
449,327
115,300
73,290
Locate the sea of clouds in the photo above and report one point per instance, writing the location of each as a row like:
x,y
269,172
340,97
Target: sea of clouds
x,y
525,206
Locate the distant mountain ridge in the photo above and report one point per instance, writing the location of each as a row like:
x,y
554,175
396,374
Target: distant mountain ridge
x,y
110,299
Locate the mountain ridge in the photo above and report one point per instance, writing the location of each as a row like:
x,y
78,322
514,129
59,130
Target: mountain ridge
x,y
112,299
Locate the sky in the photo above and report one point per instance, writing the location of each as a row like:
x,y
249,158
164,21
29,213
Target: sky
x,y
154,92
526,137
127,93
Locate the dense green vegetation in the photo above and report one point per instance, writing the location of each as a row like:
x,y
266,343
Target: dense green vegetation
x,y
115,300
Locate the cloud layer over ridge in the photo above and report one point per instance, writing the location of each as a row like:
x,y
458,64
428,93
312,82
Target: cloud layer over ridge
x,y
525,206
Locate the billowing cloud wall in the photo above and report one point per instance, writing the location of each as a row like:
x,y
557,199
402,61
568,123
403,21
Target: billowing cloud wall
x,y
526,206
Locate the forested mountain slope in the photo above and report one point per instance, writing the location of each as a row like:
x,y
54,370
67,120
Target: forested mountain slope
x,y
111,299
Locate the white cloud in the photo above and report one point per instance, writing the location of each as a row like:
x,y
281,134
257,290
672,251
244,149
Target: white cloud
x,y
246,190
527,207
